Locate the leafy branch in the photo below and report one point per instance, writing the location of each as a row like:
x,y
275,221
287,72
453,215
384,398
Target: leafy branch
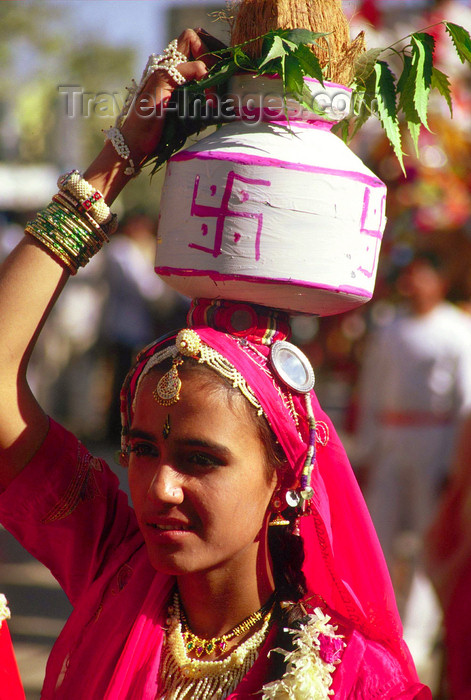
x,y
378,92
287,53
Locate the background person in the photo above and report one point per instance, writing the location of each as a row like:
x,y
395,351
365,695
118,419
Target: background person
x,y
415,386
414,389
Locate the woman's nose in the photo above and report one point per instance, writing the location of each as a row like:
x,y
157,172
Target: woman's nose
x,y
165,486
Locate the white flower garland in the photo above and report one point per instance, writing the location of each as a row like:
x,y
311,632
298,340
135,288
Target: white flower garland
x,y
310,665
4,610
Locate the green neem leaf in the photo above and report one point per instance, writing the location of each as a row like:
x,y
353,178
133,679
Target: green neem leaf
x,y
442,84
309,63
241,59
275,48
406,88
413,124
220,75
272,67
405,84
307,100
364,104
341,129
291,46
422,62
304,36
461,40
293,77
362,117
365,63
386,97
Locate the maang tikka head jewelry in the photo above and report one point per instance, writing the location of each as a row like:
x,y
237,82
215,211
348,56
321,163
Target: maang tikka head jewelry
x,y
167,391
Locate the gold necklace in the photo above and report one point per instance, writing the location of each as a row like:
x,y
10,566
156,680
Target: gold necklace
x,y
183,677
200,646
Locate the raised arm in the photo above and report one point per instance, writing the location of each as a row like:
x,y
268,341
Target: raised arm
x,y
32,277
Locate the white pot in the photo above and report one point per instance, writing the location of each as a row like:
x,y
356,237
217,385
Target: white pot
x,y
285,217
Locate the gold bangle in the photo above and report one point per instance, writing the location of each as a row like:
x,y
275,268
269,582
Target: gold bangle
x,y
67,234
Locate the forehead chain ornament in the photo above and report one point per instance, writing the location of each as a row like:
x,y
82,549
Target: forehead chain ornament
x,y
167,391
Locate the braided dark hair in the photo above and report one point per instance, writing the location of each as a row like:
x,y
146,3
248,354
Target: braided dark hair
x,y
287,553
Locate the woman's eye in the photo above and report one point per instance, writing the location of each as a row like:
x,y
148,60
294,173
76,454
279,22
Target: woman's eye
x,y
144,449
200,459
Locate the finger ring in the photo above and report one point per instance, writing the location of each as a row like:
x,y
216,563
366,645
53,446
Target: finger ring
x,y
172,54
168,61
173,72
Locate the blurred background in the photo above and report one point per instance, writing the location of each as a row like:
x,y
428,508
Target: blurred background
x,y
63,68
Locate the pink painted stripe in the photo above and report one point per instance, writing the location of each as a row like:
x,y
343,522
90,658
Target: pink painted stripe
x,y
246,159
308,79
218,276
319,124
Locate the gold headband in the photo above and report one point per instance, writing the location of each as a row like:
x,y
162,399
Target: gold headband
x,y
189,344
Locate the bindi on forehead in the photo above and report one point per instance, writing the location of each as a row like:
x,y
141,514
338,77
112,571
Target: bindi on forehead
x,y
167,427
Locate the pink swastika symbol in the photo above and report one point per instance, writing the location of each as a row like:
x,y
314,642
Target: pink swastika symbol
x,y
220,213
371,227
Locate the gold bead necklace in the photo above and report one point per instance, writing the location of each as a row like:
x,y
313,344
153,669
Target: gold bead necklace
x,y
200,646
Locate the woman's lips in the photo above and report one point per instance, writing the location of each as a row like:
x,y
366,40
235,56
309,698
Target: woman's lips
x,y
169,526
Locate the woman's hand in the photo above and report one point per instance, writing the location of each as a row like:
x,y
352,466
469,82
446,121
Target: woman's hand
x,y
143,126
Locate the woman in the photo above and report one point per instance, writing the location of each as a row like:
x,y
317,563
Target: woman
x,y
185,597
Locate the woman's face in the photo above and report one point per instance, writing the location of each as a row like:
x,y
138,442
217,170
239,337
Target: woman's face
x,y
198,478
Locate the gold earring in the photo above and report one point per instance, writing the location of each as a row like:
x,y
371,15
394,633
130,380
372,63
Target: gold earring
x,y
276,504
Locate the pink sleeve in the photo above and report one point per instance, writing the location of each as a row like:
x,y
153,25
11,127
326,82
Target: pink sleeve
x,y
67,510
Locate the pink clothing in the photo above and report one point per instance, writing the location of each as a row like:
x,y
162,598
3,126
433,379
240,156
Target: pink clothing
x,y
10,683
68,511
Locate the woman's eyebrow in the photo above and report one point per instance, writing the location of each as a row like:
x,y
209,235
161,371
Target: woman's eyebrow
x,y
205,444
222,450
138,433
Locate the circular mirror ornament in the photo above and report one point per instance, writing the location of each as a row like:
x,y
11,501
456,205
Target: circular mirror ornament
x,y
293,498
292,366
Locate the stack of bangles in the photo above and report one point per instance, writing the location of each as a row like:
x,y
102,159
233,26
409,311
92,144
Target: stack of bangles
x,y
77,222
74,226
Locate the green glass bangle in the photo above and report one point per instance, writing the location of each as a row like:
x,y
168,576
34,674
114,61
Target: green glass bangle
x,y
69,235
38,235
